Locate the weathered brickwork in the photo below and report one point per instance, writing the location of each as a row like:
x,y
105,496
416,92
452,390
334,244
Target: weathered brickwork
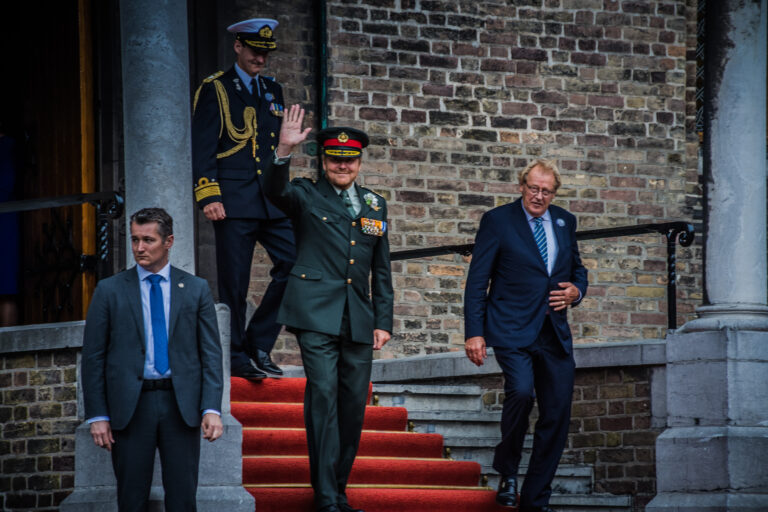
x,y
38,417
459,95
610,429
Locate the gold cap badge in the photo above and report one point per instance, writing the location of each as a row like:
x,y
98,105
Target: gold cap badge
x,y
343,137
265,32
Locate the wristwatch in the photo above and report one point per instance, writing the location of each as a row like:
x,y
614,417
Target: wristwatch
x,y
277,160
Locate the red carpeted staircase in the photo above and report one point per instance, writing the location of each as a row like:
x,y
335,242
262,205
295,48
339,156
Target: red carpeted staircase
x,y
395,470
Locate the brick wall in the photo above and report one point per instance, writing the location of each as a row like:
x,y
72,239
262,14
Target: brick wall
x,y
462,94
459,95
38,417
610,431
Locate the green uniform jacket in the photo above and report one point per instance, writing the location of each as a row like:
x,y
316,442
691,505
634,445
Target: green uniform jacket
x,y
335,258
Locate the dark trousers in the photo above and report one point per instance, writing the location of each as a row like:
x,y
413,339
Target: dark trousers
x,y
156,425
235,242
543,368
338,371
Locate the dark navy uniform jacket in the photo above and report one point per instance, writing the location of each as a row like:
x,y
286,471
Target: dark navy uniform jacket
x,y
234,135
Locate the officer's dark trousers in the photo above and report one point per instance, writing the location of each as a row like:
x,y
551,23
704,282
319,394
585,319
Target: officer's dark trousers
x,y
545,368
156,425
235,242
338,371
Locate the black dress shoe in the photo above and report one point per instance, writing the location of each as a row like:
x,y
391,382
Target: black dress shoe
x,y
265,363
329,508
507,493
249,372
344,507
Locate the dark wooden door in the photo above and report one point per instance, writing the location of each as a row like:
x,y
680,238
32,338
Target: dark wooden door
x,y
49,97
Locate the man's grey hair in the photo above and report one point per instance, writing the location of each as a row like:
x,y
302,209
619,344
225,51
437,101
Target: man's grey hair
x,y
547,165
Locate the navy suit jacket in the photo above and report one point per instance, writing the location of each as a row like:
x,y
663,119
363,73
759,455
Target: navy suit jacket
x,y
114,346
512,311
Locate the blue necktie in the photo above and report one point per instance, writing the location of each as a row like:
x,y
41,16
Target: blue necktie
x,y
157,309
255,88
541,238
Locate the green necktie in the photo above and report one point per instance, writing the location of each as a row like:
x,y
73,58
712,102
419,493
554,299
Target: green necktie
x,y
348,203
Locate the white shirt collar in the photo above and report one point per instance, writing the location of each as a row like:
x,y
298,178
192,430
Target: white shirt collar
x,y
165,272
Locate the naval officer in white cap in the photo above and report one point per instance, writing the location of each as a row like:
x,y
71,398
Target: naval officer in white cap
x,y
235,126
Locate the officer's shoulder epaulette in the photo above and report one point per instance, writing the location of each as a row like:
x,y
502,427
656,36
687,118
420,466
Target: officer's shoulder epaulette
x,y
213,77
271,78
369,191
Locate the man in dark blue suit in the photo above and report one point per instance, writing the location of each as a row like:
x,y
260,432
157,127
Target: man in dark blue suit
x,y
235,126
528,253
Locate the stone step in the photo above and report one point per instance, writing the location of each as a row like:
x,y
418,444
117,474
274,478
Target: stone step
x,y
569,479
590,502
456,424
426,398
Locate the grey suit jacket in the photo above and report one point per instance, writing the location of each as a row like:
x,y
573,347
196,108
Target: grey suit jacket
x,y
114,347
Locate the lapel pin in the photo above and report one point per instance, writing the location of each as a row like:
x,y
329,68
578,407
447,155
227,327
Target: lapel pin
x,y
560,222
181,285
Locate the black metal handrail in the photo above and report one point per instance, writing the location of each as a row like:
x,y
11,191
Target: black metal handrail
x,y
674,232
26,205
109,206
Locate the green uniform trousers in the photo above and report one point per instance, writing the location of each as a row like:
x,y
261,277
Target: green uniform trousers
x,y
338,371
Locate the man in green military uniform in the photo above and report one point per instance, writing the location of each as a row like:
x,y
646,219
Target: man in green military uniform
x,y
341,238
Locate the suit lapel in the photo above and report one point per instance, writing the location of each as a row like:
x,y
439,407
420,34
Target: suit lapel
x,y
132,289
520,223
560,236
177,296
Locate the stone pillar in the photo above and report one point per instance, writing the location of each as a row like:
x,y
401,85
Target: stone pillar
x,y
157,118
712,457
158,172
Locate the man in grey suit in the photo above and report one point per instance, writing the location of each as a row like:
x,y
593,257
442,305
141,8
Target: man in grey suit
x,y
152,370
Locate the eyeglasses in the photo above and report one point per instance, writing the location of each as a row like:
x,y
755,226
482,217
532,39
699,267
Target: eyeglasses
x,y
534,190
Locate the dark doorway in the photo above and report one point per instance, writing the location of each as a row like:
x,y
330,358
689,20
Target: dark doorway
x,y
47,104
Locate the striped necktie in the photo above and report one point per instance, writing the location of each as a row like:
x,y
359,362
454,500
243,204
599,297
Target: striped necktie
x,y
541,238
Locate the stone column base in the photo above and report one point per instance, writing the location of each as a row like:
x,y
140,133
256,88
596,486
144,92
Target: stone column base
x,y
220,472
709,502
712,457
209,499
